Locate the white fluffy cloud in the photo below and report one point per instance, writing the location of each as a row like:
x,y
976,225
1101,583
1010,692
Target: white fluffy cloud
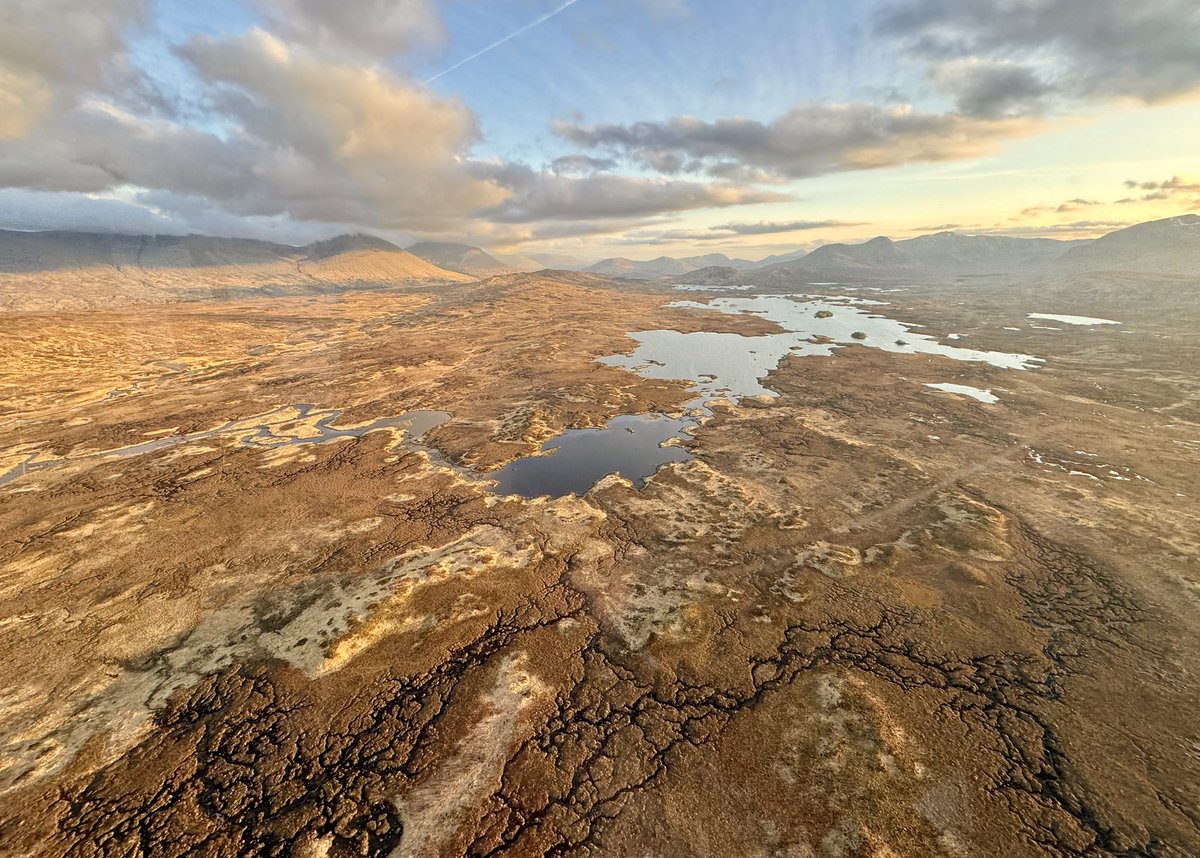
x,y
52,51
299,136
370,29
305,123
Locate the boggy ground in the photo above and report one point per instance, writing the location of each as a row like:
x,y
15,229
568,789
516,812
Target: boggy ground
x,y
867,619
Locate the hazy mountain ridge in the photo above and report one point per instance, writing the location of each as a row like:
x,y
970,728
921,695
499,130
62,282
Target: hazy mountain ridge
x,y
942,254
64,270
27,252
663,266
1167,246
463,258
92,269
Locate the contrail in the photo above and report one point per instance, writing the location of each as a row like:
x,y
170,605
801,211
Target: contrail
x,y
537,22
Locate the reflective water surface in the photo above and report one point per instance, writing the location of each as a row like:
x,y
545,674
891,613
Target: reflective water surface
x,y
634,446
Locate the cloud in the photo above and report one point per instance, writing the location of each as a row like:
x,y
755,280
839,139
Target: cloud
x,y
991,90
667,237
811,139
1062,208
309,131
39,210
300,136
358,29
544,195
1168,189
1173,185
773,227
729,232
53,51
1089,49
1005,65
581,164
338,133
1072,230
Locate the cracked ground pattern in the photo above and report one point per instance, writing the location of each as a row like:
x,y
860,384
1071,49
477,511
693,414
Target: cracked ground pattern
x,y
863,620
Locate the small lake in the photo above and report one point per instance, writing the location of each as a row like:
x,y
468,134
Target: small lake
x,y
966,390
722,366
736,366
1071,320
634,446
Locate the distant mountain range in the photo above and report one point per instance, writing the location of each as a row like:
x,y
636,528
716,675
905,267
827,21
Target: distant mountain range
x,y
942,254
664,266
99,270
462,258
31,252
561,261
1168,246
96,270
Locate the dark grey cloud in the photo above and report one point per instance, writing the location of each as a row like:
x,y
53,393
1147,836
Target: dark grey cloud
x,y
1004,64
810,139
544,195
1175,184
773,227
991,90
575,164
729,232
1175,188
1143,49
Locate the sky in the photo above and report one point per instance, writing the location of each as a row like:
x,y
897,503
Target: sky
x,y
595,128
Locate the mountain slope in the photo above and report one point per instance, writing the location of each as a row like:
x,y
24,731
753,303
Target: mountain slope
x,y
663,266
63,270
619,266
27,252
781,257
462,258
560,261
944,254
1167,246
377,266
714,260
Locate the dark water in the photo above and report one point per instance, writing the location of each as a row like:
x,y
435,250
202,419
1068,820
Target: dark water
x,y
575,461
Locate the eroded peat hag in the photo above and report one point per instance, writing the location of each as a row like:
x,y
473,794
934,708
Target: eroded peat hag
x,y
283,427
641,429
861,605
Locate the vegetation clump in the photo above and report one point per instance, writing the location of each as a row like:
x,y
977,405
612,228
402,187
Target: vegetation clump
x,y
859,335
824,314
